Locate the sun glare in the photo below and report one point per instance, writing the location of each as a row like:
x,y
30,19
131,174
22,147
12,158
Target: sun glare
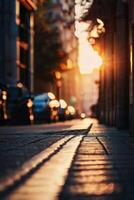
x,y
89,59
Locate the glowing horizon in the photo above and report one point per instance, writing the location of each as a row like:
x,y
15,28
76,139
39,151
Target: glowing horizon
x,y
88,59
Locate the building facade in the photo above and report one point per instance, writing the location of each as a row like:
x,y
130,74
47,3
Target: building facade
x,y
114,105
116,88
16,39
60,14
70,88
131,61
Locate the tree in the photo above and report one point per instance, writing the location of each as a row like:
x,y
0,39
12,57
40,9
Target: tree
x,y
49,53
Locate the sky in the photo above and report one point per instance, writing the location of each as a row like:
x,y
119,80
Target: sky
x,y
88,58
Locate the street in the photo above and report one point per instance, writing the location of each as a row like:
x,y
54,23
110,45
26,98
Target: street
x,y
78,159
23,148
67,100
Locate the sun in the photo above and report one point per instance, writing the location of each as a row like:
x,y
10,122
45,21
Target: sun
x,y
88,59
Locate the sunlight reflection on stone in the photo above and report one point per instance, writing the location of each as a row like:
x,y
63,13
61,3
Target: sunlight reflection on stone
x,y
95,172
96,189
94,179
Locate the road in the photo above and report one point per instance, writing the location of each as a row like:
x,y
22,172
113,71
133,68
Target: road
x,y
25,148
66,161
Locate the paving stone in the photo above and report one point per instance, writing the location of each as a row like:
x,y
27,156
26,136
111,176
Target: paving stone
x,y
101,166
11,160
51,176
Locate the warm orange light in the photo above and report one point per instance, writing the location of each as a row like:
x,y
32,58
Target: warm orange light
x,y
89,59
4,95
54,104
97,29
29,103
71,110
20,85
82,115
31,117
51,95
69,64
58,75
63,104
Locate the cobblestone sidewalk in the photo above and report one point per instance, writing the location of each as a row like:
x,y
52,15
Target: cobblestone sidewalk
x,y
103,167
95,165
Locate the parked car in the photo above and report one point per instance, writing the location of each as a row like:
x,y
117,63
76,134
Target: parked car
x,y
3,105
20,105
45,107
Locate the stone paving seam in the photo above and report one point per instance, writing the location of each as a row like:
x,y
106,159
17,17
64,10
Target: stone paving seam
x,y
103,146
118,194
72,163
29,166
